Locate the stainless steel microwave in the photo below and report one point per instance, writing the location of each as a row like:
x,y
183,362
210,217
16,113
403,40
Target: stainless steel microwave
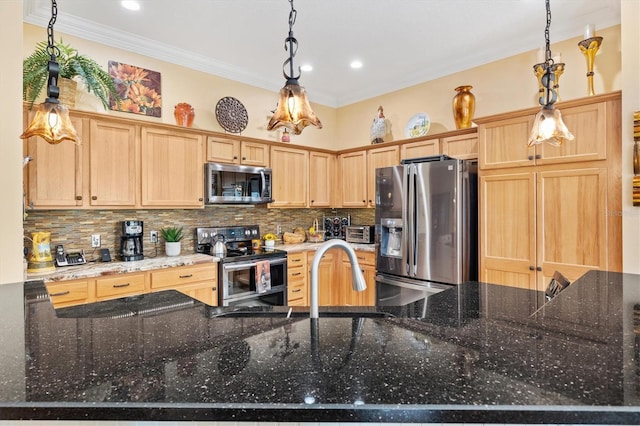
x,y
236,184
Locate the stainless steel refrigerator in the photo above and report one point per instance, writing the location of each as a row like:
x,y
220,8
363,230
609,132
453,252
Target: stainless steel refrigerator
x,y
426,226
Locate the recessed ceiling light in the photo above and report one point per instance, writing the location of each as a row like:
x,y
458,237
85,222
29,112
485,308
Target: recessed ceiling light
x,y
356,64
130,4
306,67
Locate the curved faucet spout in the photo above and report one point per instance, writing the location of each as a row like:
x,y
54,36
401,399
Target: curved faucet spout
x,y
359,284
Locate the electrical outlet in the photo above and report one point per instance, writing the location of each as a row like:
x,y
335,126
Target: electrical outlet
x,y
278,229
153,236
95,240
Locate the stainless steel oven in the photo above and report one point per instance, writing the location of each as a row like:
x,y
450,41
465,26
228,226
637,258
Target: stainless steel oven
x,y
247,276
240,283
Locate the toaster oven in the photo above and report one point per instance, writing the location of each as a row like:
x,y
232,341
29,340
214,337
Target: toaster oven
x,y
364,234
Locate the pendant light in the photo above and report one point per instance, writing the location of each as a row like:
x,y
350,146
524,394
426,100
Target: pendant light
x,y
293,111
52,122
548,125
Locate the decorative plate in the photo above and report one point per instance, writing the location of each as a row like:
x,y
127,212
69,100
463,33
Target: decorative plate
x,y
231,115
418,125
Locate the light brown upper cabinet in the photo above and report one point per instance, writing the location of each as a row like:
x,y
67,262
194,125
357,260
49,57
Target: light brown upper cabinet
x,y
172,168
114,156
504,142
426,148
290,177
353,178
55,175
463,147
221,150
322,172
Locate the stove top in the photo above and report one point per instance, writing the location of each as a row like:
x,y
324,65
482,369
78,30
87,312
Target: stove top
x,y
238,242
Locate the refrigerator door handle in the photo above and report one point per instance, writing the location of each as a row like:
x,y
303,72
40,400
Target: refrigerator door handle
x,y
406,212
411,212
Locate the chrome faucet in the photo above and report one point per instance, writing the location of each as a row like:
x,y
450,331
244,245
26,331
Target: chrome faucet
x,y
358,281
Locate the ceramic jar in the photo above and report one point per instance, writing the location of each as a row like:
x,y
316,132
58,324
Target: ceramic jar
x,y
464,106
184,114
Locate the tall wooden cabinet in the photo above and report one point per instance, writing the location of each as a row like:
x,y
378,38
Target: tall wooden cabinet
x,y
113,159
322,172
545,209
172,171
290,177
55,177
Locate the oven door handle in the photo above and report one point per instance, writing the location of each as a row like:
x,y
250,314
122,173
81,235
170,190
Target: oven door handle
x,y
236,266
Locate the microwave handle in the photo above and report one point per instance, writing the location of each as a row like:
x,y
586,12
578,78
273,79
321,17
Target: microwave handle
x,y
264,183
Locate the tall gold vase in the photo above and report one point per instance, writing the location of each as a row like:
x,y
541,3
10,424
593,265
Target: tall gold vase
x,y
464,106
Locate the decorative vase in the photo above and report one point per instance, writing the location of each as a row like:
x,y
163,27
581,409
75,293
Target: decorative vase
x,y
184,114
172,248
464,106
68,89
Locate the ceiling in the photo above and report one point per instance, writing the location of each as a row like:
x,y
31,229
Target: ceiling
x,y
400,43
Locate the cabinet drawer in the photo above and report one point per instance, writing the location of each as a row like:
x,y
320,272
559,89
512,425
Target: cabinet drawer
x,y
120,285
365,257
175,277
296,259
297,296
68,293
297,274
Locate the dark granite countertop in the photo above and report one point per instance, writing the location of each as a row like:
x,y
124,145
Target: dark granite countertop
x,y
475,353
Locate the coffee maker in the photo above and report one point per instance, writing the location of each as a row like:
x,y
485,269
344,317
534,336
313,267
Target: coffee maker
x,y
131,240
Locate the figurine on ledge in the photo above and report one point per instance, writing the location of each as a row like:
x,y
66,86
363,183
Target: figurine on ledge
x,y
380,127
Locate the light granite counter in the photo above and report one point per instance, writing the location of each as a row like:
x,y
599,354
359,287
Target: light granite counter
x,y
292,248
96,269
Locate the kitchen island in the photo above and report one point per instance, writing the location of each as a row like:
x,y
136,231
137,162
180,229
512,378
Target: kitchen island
x,y
475,353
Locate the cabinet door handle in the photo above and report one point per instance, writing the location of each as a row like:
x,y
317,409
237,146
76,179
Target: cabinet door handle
x,y
295,274
530,157
186,276
295,260
244,158
538,156
200,199
214,288
359,258
531,268
296,291
94,197
78,197
313,201
62,293
364,201
235,157
121,285
539,268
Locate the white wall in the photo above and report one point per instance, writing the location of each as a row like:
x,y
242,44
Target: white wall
x,y
630,10
11,268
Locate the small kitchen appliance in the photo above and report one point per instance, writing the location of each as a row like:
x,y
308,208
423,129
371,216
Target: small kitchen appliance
x,y
244,268
131,240
363,234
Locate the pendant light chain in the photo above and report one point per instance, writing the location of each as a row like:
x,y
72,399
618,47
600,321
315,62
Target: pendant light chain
x,y
52,49
548,78
548,58
291,46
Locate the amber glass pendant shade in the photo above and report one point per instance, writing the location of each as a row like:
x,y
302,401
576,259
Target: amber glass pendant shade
x,y
52,123
549,127
294,111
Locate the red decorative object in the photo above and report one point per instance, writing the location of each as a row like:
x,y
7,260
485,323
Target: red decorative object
x,y
184,114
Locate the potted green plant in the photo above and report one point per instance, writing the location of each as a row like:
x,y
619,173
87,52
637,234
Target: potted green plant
x,y
35,73
172,235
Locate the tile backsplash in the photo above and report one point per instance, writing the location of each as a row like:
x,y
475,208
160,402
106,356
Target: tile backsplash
x,y
73,228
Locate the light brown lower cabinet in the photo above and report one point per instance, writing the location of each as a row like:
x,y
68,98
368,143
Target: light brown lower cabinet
x,y
297,279
197,281
350,297
334,279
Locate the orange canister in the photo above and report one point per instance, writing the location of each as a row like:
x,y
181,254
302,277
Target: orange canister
x,y
255,244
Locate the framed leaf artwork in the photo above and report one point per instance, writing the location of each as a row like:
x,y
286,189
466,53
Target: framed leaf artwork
x,y
139,89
